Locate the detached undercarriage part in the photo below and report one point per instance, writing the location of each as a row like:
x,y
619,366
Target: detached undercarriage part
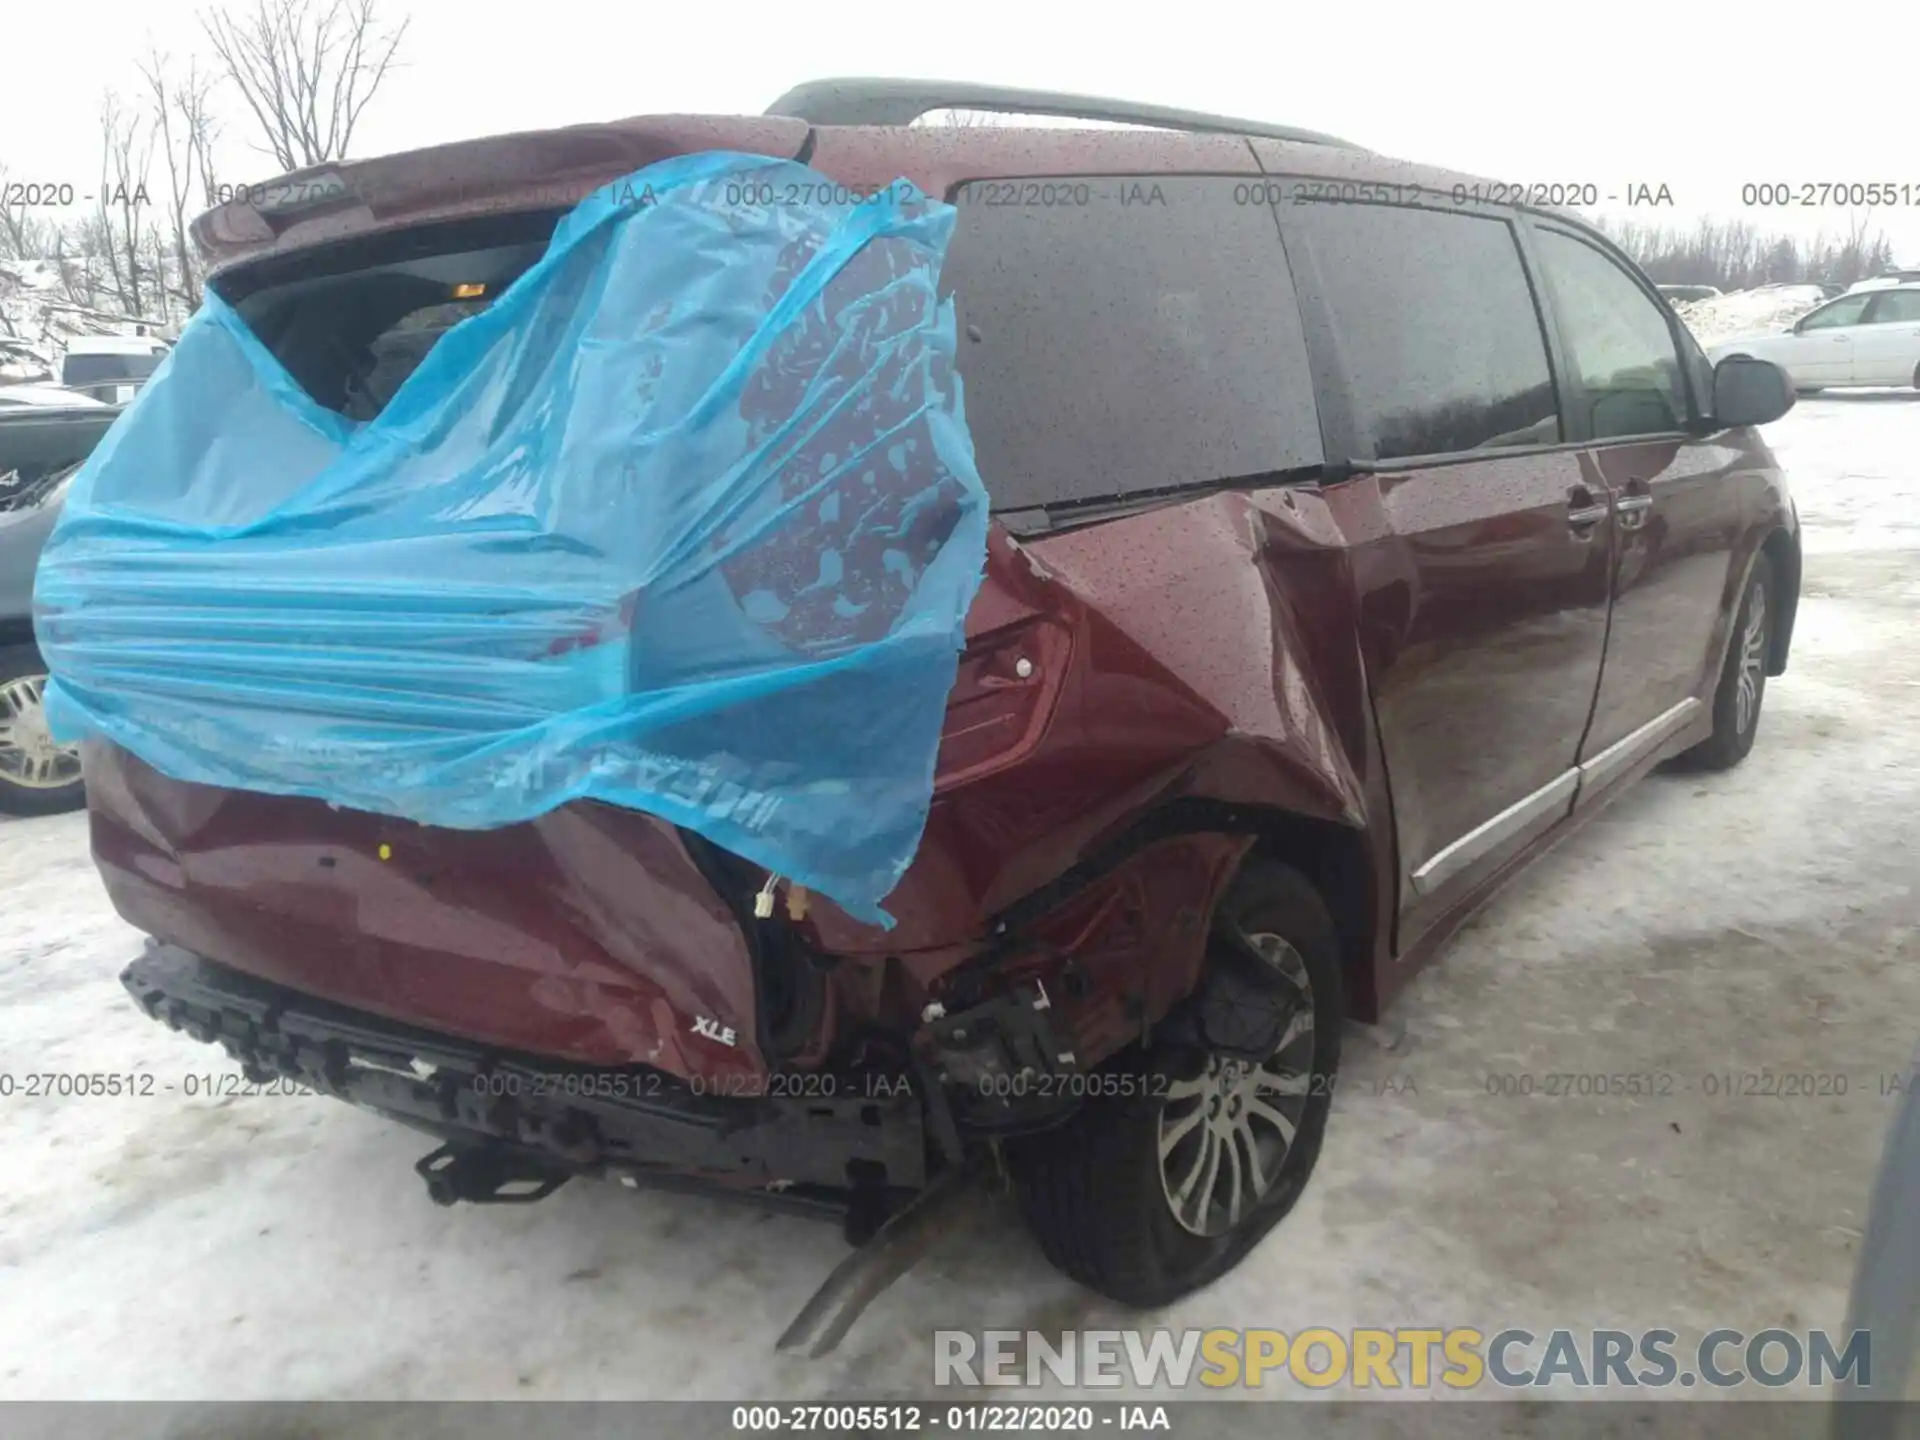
x,y
514,1133
485,1175
950,1203
1002,1064
1236,1011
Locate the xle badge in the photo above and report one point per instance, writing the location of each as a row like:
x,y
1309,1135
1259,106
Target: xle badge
x,y
712,1029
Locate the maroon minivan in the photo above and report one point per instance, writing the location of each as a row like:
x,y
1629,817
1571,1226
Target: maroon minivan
x,y
1355,537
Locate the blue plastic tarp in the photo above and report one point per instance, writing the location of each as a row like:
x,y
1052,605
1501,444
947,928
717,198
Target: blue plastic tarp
x,y
687,522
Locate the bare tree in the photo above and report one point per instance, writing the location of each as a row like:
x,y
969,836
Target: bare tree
x,y
202,130
126,156
157,256
306,69
1737,255
183,127
23,235
82,253
970,119
14,221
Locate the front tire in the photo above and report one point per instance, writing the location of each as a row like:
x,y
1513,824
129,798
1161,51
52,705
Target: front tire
x,y
1166,1182
37,777
1743,678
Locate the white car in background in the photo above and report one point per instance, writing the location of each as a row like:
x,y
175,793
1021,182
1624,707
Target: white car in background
x,y
1881,282
111,368
1866,337
47,397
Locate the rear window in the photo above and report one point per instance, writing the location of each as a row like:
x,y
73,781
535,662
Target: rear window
x,y
106,369
396,353
1120,334
1436,328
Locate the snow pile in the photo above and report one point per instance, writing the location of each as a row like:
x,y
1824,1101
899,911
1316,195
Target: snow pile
x,y
1748,312
21,363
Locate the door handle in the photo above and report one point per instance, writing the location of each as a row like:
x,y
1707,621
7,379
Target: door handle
x,y
1632,510
1583,511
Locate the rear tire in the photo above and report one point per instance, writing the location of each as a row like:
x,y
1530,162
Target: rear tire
x,y
36,777
1108,1210
1743,678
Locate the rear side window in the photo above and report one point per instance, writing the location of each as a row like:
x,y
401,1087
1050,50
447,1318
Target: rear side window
x,y
1617,339
1436,328
1895,307
1140,333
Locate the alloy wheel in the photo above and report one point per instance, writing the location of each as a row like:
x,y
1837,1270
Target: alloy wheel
x,y
1226,1132
29,755
1753,661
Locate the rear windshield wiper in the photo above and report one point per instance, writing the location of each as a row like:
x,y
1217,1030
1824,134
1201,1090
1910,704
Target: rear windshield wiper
x,y
1083,509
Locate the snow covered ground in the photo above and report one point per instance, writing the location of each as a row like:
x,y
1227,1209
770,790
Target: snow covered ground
x,y
168,1246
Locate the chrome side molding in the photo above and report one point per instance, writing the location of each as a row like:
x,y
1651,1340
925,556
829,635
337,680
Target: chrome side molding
x,y
1558,792
1626,750
1485,838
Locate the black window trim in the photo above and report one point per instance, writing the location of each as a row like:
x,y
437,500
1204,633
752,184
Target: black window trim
x,y
1087,509
1332,390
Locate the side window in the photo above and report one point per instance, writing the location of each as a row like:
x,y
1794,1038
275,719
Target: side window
x,y
1131,334
1617,339
1895,307
1436,328
1847,310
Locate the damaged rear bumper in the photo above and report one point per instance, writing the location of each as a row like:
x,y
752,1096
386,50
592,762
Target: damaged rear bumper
x,y
811,1150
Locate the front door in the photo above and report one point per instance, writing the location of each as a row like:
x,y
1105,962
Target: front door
x,y
1820,350
1886,347
1486,622
1482,553
1677,503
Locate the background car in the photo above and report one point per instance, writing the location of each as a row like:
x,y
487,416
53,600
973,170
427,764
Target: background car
x,y
1885,1301
44,435
47,397
1678,293
1865,337
1885,280
111,368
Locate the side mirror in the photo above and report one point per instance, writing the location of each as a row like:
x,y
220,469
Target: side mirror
x,y
1747,391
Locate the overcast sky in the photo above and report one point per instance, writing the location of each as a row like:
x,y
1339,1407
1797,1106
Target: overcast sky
x,y
1616,95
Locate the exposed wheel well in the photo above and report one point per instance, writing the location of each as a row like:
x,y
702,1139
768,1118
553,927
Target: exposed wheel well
x,y
1783,555
1337,860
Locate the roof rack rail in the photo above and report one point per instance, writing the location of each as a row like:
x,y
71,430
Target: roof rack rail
x,y
901,102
